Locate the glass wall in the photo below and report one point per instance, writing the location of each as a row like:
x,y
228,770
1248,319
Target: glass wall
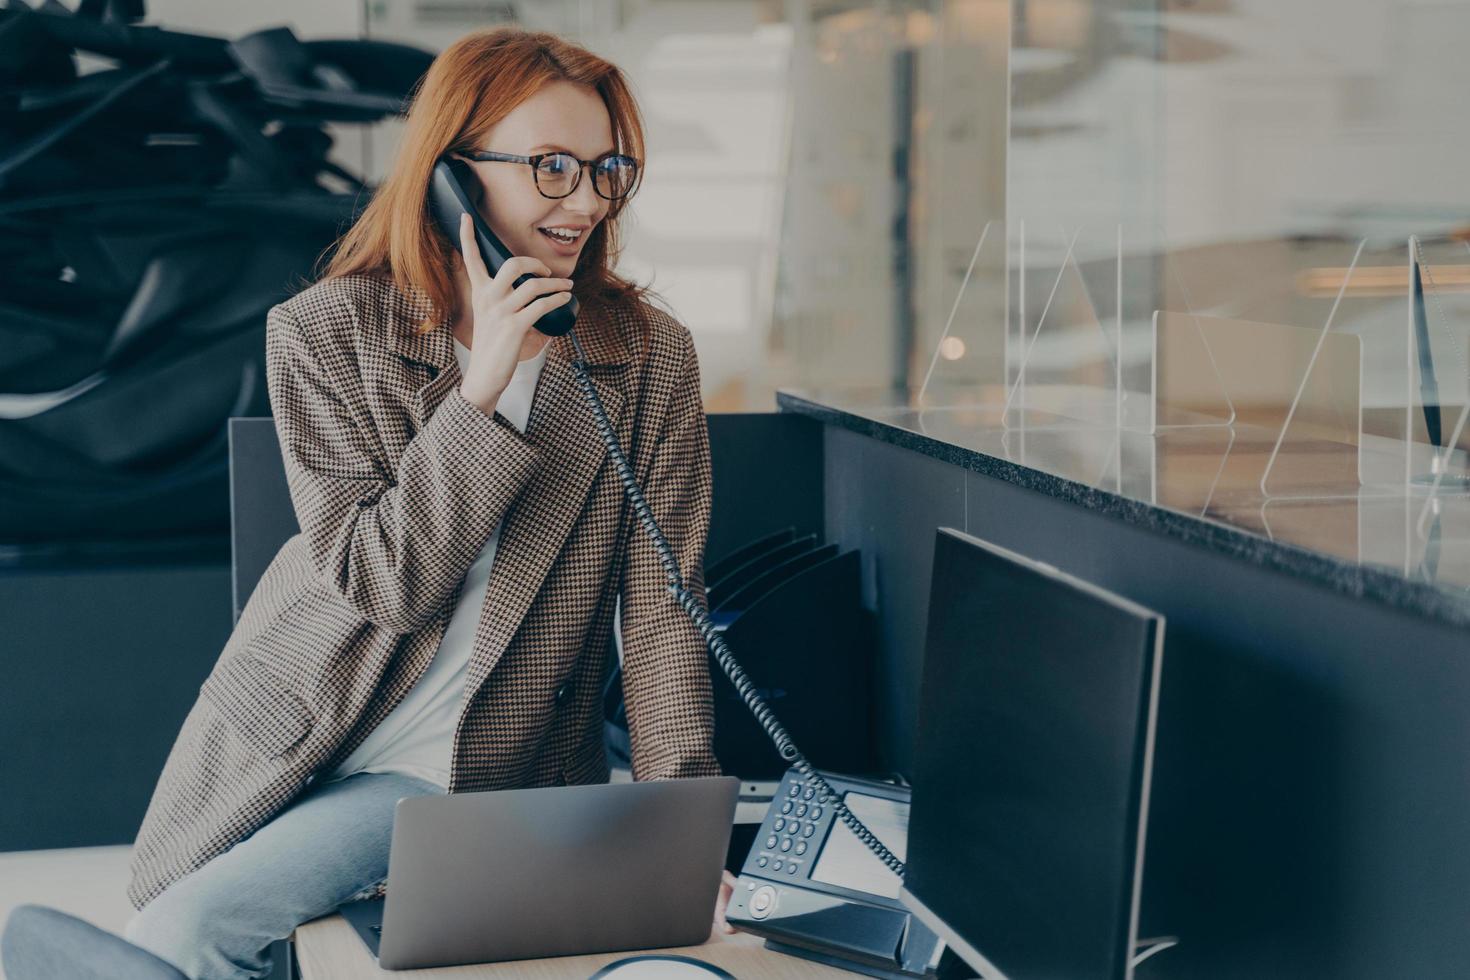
x,y
823,173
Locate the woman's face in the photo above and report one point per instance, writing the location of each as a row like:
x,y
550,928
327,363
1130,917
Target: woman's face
x,y
562,116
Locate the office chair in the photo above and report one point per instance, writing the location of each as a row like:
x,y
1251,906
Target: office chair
x,y
43,944
262,517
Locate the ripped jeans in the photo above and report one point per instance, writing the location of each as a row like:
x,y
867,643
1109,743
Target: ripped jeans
x,y
328,847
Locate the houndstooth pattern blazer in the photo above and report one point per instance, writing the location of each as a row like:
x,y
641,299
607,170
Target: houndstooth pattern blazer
x,y
397,482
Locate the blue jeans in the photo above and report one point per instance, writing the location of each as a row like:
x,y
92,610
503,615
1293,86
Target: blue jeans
x,y
330,846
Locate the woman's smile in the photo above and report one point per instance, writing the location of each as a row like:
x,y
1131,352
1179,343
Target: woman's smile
x,y
566,240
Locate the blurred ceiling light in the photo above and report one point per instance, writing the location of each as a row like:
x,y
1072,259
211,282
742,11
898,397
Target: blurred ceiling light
x,y
951,348
920,27
1060,24
1387,280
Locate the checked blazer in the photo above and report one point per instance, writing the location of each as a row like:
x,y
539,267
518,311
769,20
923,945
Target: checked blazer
x,y
397,482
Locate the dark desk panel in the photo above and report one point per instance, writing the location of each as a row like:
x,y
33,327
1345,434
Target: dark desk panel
x,y
1310,789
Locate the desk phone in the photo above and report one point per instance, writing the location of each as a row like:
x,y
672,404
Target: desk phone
x,y
813,889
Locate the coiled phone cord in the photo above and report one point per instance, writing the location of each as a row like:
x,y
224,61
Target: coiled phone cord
x,y
690,603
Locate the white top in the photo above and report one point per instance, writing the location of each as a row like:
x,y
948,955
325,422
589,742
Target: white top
x,y
417,736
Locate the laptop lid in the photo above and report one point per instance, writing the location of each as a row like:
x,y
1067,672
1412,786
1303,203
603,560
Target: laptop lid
x,y
518,874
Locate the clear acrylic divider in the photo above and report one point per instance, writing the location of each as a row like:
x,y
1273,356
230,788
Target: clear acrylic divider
x,y
1063,365
966,370
1344,431
1186,388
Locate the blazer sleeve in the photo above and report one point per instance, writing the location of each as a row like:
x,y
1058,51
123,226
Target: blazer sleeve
x,y
666,676
394,546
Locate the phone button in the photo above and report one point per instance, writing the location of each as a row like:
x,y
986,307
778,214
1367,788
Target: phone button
x,y
785,843
810,829
771,841
779,825
801,810
800,848
762,861
809,793
795,789
816,813
786,807
762,901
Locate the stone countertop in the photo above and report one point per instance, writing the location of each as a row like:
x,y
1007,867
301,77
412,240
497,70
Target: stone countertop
x,y
1316,519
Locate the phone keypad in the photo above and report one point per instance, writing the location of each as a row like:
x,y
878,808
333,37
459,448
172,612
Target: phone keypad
x,y
790,835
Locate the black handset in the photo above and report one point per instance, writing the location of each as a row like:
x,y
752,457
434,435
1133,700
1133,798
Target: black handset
x,y
449,198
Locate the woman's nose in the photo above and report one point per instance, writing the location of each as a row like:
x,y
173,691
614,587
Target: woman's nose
x,y
584,199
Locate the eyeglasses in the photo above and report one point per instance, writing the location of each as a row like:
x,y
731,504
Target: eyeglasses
x,y
558,174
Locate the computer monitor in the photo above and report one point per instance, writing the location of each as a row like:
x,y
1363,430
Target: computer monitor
x,y
1031,773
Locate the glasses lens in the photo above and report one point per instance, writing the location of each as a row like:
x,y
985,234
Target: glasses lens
x,y
557,174
615,175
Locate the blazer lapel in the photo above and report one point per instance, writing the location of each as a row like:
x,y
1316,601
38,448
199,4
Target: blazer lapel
x,y
572,453
561,425
431,351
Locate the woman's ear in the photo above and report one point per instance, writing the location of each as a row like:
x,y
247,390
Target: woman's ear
x,y
476,188
476,191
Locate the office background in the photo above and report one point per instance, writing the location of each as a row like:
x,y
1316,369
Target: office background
x,y
1071,274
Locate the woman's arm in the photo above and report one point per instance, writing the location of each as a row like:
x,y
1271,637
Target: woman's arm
x,y
666,678
393,546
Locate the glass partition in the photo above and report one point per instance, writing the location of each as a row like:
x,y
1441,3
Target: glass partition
x,y
1211,254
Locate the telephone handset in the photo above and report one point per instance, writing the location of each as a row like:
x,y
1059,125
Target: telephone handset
x,y
449,197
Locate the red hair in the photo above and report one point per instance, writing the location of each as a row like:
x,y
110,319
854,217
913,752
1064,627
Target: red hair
x,y
471,86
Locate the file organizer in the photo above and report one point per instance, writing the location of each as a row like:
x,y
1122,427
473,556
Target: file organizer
x,y
808,643
718,570
751,592
756,566
805,639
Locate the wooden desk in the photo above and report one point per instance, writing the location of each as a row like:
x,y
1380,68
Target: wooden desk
x,y
328,949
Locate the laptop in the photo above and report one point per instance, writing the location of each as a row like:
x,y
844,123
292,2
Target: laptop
x,y
522,874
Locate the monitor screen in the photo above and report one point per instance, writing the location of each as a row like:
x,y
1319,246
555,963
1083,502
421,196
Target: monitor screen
x,y
1031,765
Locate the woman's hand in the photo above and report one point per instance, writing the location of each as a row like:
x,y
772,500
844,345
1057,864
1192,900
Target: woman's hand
x,y
502,315
727,888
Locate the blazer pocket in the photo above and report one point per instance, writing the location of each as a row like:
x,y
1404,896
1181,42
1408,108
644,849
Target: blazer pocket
x,y
268,716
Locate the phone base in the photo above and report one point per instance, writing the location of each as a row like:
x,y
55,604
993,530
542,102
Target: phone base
x,y
849,965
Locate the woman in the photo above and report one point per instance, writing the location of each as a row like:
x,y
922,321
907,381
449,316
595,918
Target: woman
x,y
440,623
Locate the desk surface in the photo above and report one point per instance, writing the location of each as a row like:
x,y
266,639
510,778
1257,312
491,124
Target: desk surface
x,y
328,949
